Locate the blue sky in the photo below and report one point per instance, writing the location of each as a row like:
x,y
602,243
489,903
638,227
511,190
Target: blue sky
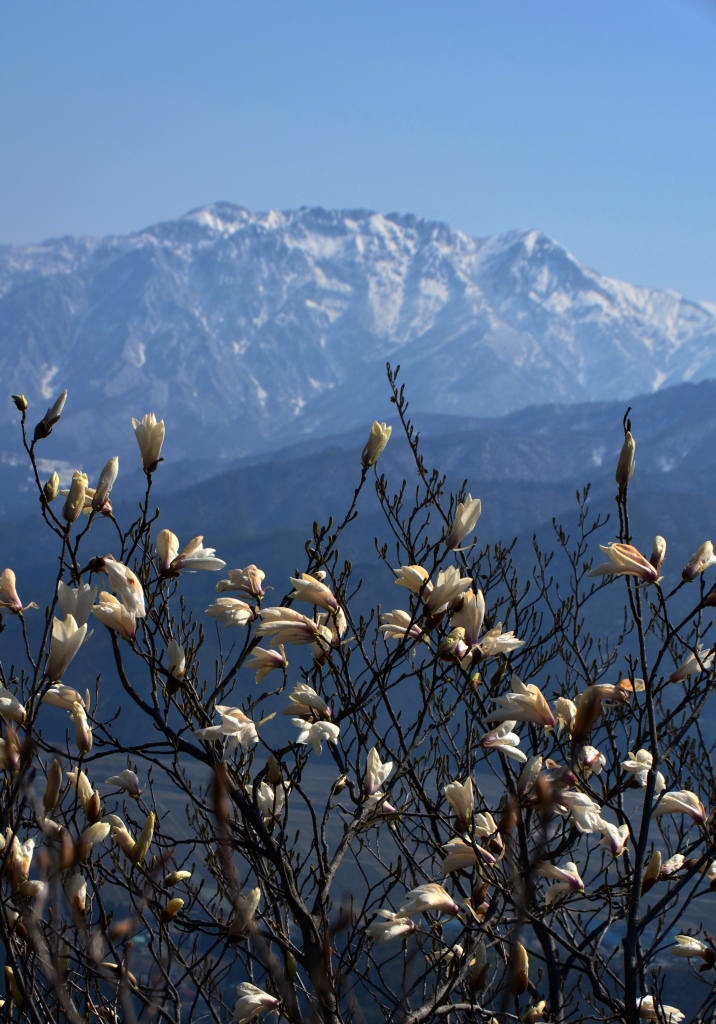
x,y
592,121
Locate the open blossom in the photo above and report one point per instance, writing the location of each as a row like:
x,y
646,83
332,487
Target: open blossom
x,y
614,837
470,614
379,437
449,587
290,627
681,801
231,612
8,594
126,585
76,601
18,858
591,759
177,659
583,811
466,515
589,707
566,713
393,926
313,590
167,550
429,898
567,879
271,799
400,625
461,797
251,1002
239,729
113,614
689,946
496,642
314,733
150,438
625,560
266,661
60,696
11,710
639,764
460,855
415,579
526,703
696,663
376,773
67,638
248,581
195,556
702,559
306,703
126,780
503,739
663,1013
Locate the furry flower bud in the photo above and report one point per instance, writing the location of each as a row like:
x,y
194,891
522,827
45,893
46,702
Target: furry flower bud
x,y
625,465
379,437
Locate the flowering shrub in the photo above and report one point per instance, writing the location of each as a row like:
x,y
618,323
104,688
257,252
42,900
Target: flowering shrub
x,y
472,809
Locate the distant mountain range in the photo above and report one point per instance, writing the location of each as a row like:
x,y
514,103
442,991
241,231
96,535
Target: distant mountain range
x,y
248,332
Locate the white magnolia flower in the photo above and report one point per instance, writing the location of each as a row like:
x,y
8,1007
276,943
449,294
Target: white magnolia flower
x,y
625,560
701,560
126,780
115,615
466,515
449,587
394,926
195,556
664,1014
10,707
379,437
614,837
639,764
266,661
460,855
76,601
696,663
8,594
505,740
251,1002
376,773
67,638
429,898
689,946
239,729
287,626
496,642
415,579
61,696
583,811
526,703
314,591
567,878
248,581
400,625
681,801
470,615
231,612
150,438
461,797
314,733
307,704
271,800
126,585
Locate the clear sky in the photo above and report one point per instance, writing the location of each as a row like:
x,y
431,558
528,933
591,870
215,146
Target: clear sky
x,y
591,120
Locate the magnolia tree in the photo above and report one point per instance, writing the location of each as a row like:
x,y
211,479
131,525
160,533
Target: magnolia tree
x,y
474,810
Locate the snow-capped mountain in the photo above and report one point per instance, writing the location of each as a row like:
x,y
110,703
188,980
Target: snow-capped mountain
x,y
248,331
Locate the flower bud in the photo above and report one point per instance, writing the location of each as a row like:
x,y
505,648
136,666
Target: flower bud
x,y
171,910
13,986
75,500
477,971
653,870
658,553
520,970
534,1013
51,488
53,787
273,771
625,465
174,877
141,847
44,427
379,437
702,559
20,403
150,438
106,482
83,732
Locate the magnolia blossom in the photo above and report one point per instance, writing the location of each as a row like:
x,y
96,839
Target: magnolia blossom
x,y
248,581
105,484
167,550
83,733
44,427
591,759
681,801
231,612
453,648
614,837
11,710
307,704
379,437
461,797
689,946
60,696
400,625
75,500
567,878
76,601
314,733
376,773
251,1002
76,892
625,560
67,638
8,594
91,837
18,857
195,556
466,515
126,780
415,579
672,865
639,764
696,663
271,799
529,775
566,713
150,438
429,898
661,1012
115,615
589,707
460,855
449,587
583,811
394,926
266,661
702,559
177,659
86,794
658,552
313,590
485,825
290,627
234,724
121,834
503,739
625,464
470,614
125,583
496,642
526,703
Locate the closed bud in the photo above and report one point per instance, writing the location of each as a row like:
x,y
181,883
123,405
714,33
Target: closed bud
x,y
658,552
141,847
51,488
291,966
653,870
379,437
535,1012
44,427
53,787
273,771
519,969
171,910
477,971
625,465
93,808
14,988
106,482
20,403
75,501
174,877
